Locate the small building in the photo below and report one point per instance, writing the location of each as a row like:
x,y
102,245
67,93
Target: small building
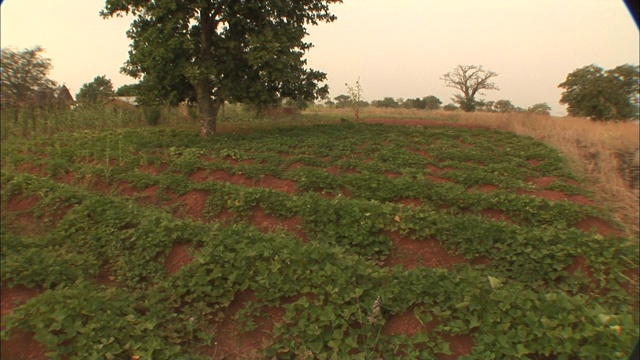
x,y
51,97
122,102
64,97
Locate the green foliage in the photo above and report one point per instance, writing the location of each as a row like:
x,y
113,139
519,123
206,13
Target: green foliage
x,y
97,91
387,102
128,90
450,107
431,102
342,101
23,72
214,52
540,109
152,114
333,291
602,95
504,106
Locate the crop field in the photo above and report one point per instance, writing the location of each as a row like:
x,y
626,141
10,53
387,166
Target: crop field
x,y
325,241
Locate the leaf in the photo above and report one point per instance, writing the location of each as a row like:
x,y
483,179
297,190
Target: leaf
x,y
604,318
495,282
396,218
522,350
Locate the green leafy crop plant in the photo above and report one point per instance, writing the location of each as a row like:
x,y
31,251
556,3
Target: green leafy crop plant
x,y
332,292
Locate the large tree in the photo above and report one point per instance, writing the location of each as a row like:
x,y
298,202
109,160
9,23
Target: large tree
x,y
470,80
99,90
602,94
223,50
24,72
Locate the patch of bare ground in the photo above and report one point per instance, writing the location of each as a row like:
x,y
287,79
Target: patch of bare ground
x,y
233,342
496,215
20,203
436,170
486,188
411,253
406,323
601,226
20,345
391,174
298,165
18,216
270,182
154,169
420,152
37,170
436,179
219,176
579,264
534,162
106,277
178,257
123,188
235,162
459,345
268,223
415,203
333,170
542,182
150,196
16,295
190,205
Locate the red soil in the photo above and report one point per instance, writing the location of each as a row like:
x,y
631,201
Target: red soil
x,y
411,253
20,345
408,324
233,342
177,258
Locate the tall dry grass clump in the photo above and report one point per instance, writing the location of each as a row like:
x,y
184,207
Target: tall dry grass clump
x,y
606,154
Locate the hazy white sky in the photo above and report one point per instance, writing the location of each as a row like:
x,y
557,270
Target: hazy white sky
x,y
398,48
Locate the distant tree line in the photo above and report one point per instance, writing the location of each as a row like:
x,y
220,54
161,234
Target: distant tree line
x,y
433,103
590,91
344,101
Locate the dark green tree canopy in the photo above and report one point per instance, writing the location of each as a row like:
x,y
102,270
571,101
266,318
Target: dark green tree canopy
x,y
223,50
96,91
470,80
128,90
540,109
431,103
342,101
387,102
24,72
602,94
504,106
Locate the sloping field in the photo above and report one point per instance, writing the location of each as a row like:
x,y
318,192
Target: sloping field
x,y
365,241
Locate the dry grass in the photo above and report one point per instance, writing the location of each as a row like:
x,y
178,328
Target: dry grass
x,y
603,153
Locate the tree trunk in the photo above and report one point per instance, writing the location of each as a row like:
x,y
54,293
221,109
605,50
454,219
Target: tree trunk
x,y
209,108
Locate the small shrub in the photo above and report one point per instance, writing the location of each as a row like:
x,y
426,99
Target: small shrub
x,y
152,114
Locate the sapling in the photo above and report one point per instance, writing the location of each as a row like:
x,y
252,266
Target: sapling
x,y
355,93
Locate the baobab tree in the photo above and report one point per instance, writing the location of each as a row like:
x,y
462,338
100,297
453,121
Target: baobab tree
x,y
469,79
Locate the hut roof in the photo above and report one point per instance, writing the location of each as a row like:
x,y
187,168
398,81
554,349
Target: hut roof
x,y
64,96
